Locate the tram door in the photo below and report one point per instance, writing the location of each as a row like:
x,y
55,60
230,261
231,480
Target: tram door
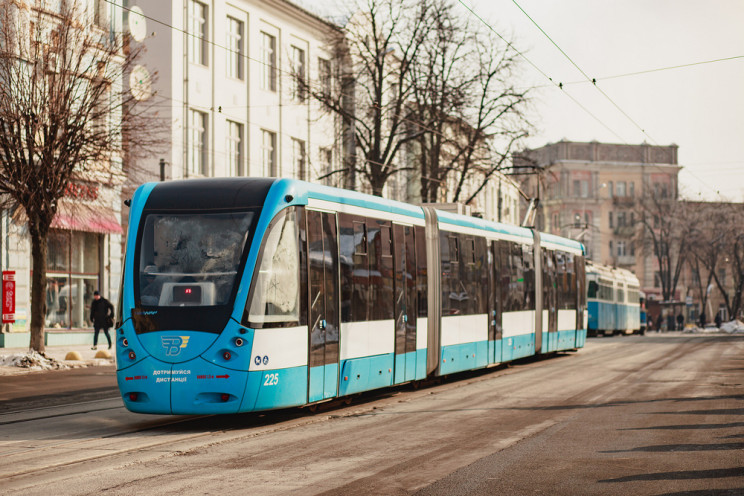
x,y
550,297
496,264
323,318
404,260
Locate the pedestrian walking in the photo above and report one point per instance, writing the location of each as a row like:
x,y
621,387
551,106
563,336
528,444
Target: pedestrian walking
x,y
102,315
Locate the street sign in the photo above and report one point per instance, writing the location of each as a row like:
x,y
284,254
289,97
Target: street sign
x,y
9,296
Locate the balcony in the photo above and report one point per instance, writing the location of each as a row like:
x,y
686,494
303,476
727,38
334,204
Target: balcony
x,y
623,201
624,231
625,260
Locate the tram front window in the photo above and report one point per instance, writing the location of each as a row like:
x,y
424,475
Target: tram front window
x,y
188,260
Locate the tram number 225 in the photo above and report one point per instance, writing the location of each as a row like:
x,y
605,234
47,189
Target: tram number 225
x,y
271,380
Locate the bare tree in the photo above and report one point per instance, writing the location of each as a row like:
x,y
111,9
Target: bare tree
x,y
379,46
63,112
717,245
666,233
465,103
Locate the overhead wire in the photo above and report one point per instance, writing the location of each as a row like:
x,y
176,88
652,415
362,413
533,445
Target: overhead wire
x,y
509,44
593,81
260,62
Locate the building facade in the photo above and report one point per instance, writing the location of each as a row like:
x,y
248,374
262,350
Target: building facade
x,y
223,77
590,192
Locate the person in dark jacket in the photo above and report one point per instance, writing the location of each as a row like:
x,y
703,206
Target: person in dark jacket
x,y
102,315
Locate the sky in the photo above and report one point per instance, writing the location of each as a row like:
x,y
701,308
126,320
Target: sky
x,y
699,108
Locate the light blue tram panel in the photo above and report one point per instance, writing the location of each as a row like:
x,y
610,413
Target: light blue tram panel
x,y
380,321
251,294
600,299
612,300
466,338
565,330
179,347
628,301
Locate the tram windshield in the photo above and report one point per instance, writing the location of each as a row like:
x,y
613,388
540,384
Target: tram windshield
x,y
188,260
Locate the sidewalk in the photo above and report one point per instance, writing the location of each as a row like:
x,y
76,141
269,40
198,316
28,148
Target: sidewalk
x,y
56,355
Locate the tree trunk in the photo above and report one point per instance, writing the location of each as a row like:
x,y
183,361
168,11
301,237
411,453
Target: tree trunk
x,y
38,289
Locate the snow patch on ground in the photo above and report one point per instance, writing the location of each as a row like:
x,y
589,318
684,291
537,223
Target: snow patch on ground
x,y
733,327
31,361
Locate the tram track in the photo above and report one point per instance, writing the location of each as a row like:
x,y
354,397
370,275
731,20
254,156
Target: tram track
x,y
170,436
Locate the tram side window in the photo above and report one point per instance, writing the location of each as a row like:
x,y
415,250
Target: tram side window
x,y
592,289
380,270
581,281
421,269
515,285
606,292
275,300
529,277
633,295
354,263
566,281
450,269
480,275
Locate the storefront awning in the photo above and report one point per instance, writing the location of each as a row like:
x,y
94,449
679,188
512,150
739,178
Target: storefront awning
x,y
88,218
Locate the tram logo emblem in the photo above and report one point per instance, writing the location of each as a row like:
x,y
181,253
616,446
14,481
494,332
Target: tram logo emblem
x,y
174,344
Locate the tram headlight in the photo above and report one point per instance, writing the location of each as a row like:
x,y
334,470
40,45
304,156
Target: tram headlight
x,y
132,355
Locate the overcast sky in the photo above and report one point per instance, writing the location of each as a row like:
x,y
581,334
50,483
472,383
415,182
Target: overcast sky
x,y
699,108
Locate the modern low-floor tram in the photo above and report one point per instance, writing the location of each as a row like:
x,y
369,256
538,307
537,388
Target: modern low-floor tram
x,y
254,294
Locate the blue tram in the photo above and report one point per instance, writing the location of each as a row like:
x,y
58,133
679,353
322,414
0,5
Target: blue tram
x,y
613,301
248,294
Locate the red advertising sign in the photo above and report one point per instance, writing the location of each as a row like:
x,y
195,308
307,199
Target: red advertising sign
x,y
9,296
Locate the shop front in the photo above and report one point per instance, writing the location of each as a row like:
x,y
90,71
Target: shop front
x,y
83,256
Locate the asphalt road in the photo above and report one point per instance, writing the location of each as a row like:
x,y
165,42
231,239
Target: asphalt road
x,y
656,414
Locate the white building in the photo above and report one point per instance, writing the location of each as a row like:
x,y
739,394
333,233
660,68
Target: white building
x,y
225,86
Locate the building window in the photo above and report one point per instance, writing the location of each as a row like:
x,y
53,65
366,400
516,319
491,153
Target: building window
x,y
576,188
611,189
268,62
268,153
198,33
657,280
621,219
73,273
324,75
722,276
197,160
235,46
621,249
611,226
298,159
298,74
631,192
100,13
234,147
621,188
326,165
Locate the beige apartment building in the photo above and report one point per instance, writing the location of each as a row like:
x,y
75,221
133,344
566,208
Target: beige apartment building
x,y
588,192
